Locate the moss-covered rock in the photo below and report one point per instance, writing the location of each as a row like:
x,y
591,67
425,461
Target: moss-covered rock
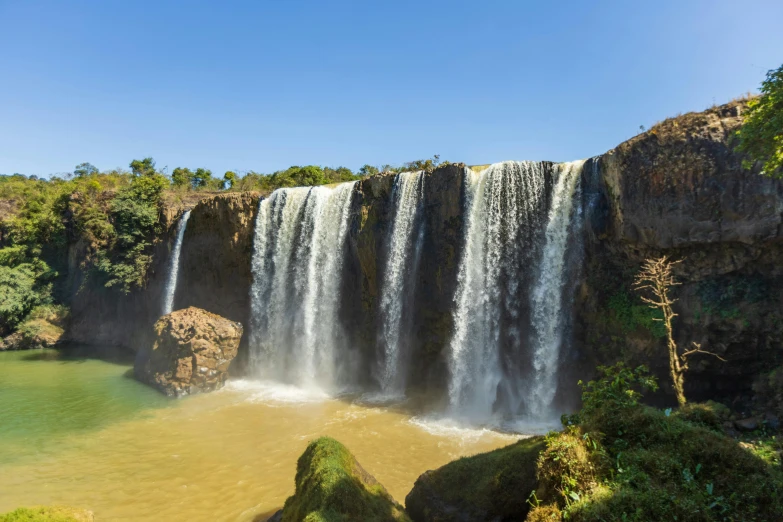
x,y
48,514
488,486
331,486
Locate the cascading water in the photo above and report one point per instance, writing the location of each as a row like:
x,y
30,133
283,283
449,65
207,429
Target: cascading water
x,y
398,275
171,284
295,295
501,361
547,294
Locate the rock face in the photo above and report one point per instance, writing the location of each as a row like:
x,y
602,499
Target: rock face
x,y
192,352
332,485
680,190
490,486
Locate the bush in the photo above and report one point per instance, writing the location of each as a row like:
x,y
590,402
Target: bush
x,y
47,514
710,414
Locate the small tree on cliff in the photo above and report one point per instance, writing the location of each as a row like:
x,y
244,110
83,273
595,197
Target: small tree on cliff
x,y
656,279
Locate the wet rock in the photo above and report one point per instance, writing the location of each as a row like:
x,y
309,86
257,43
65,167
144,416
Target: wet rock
x,y
192,352
488,486
749,424
332,485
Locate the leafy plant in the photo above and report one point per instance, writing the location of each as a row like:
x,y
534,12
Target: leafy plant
x,y
761,135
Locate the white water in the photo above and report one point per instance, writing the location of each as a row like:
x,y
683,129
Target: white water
x,y
171,284
295,296
547,294
408,195
506,246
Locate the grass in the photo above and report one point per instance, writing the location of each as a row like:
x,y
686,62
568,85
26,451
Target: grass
x,y
331,486
47,514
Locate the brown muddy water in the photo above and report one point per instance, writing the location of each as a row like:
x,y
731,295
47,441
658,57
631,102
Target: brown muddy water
x,y
78,431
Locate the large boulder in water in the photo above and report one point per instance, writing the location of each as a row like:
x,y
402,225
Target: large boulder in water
x,y
192,351
331,485
485,487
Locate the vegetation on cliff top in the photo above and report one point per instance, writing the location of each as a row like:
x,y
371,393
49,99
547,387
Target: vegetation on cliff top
x,y
331,486
761,135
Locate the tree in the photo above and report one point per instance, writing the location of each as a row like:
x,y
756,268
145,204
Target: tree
x,y
145,167
761,135
182,177
84,169
368,170
656,279
229,178
201,177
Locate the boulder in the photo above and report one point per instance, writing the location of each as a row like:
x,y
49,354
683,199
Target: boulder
x,y
331,485
749,424
192,351
488,486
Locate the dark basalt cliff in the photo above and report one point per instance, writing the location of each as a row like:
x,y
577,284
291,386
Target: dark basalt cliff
x,y
678,189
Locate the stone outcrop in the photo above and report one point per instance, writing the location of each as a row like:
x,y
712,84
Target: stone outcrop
x,y
332,485
192,352
485,487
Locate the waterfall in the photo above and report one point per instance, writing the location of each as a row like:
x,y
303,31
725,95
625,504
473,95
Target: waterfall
x,y
295,295
546,297
398,277
171,284
500,360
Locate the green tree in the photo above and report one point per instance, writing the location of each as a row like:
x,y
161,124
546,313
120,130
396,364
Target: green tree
x,y
201,177
761,135
85,169
229,178
145,167
368,170
182,177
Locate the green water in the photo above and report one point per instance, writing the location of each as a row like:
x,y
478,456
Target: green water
x,y
47,395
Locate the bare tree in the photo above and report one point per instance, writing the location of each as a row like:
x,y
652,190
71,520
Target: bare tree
x,y
656,279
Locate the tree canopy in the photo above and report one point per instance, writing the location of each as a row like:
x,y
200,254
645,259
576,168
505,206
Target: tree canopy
x,y
761,135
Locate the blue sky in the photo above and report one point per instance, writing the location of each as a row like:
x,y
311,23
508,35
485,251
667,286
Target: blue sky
x,y
261,85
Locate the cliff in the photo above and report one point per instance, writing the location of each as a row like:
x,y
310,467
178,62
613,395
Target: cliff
x,y
678,189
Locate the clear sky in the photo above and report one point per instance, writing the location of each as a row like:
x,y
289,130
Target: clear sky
x,y
261,85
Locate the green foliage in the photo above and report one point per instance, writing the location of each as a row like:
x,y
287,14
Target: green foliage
x,y
182,177
368,170
723,296
201,178
85,169
631,313
761,135
651,465
47,514
332,487
709,414
144,167
22,288
229,178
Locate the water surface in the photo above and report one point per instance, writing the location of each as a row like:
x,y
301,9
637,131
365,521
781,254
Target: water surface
x,y
79,431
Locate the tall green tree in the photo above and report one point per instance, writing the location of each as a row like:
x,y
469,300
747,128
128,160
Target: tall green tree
x,y
201,177
368,170
85,169
144,167
761,135
229,178
182,177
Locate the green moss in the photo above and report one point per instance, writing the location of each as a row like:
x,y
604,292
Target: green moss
x,y
488,486
654,466
710,414
47,514
630,313
331,486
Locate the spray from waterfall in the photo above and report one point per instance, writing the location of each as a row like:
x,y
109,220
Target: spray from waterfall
x,y
295,295
171,284
398,278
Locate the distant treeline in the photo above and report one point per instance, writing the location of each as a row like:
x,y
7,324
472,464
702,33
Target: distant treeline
x,y
114,218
